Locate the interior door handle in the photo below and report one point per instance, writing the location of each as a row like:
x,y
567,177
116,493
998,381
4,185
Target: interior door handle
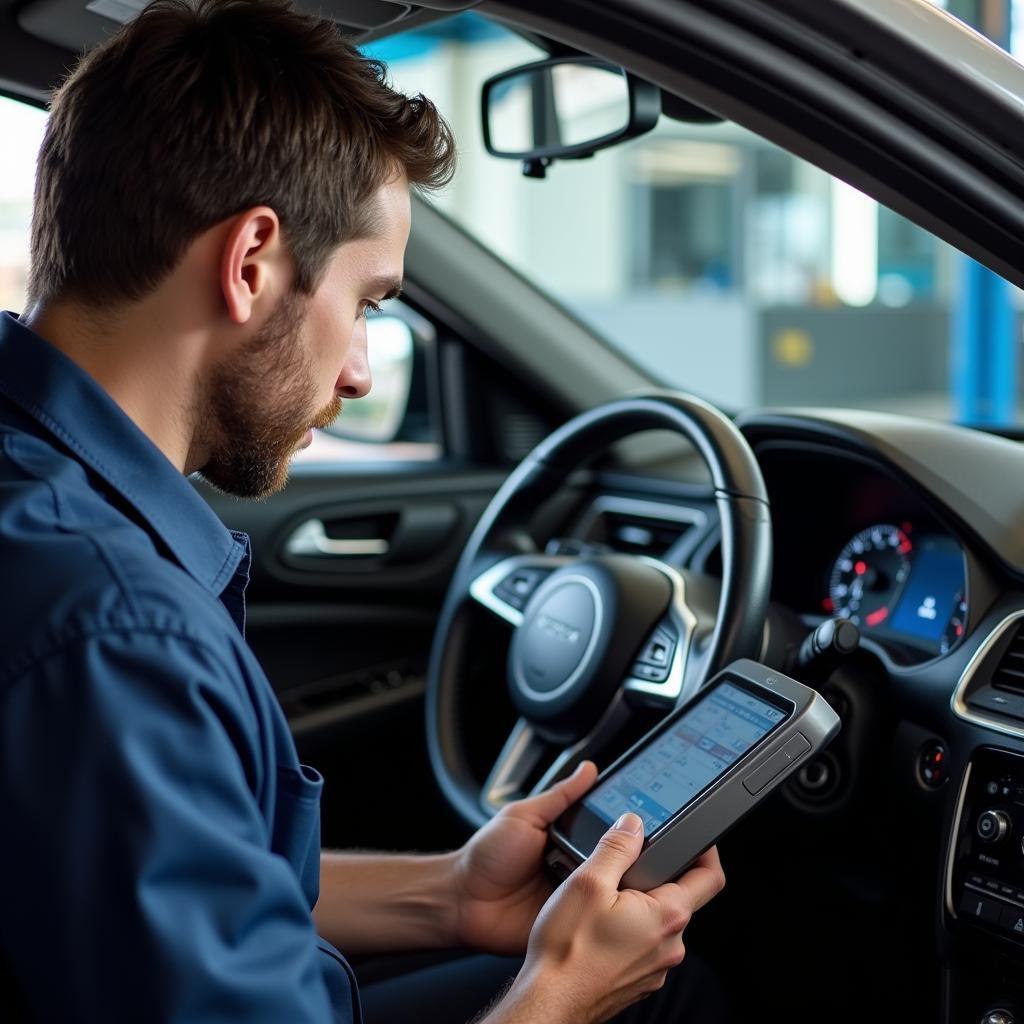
x,y
311,540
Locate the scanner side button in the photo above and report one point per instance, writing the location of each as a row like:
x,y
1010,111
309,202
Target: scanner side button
x,y
778,762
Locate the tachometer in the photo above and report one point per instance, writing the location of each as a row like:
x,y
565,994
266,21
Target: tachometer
x,y
869,574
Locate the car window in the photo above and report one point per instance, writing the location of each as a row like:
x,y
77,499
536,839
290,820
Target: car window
x,y
723,264
21,128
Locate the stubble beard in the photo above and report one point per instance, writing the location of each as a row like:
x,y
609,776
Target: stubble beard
x,y
260,404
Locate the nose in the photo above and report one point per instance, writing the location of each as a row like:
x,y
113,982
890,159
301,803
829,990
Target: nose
x,y
355,379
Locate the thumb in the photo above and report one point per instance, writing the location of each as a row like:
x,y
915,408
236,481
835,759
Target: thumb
x,y
546,806
617,849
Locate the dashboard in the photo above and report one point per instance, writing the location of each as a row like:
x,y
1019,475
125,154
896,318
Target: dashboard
x,y
851,540
915,531
868,548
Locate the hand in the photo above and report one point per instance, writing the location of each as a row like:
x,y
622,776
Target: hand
x,y
595,950
499,882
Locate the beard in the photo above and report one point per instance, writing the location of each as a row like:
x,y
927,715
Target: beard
x,y
259,405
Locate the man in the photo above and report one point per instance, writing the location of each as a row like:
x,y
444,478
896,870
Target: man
x,y
222,193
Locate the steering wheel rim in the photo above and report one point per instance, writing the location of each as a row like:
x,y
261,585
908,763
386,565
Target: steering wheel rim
x,y
742,503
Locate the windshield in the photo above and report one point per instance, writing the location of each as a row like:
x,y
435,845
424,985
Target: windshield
x,y
721,263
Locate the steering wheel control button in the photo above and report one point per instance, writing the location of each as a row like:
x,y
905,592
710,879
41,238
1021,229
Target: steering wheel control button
x,y
655,658
993,826
659,649
518,586
652,673
932,765
779,762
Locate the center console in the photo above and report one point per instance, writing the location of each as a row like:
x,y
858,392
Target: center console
x,y
984,892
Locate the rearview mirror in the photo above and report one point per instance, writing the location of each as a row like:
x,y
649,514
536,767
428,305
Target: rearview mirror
x,y
564,109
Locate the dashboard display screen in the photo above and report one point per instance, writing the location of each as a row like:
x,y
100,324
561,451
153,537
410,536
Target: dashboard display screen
x,y
893,583
931,592
665,775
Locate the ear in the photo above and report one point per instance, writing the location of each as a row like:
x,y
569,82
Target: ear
x,y
251,260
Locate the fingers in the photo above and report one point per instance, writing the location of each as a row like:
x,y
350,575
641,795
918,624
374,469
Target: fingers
x,y
679,900
693,889
544,808
616,850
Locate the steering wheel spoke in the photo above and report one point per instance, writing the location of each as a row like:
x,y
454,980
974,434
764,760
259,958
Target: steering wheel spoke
x,y
505,588
526,751
658,676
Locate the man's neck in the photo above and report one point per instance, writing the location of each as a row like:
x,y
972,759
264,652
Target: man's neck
x,y
152,374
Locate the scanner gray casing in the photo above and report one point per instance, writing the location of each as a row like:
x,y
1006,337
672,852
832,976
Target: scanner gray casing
x,y
685,836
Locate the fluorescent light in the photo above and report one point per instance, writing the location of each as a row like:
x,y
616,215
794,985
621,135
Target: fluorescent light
x,y
121,11
854,245
677,161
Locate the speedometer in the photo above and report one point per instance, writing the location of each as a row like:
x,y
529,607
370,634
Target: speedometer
x,y
869,574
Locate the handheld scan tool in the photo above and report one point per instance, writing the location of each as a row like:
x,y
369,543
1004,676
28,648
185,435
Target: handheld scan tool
x,y
698,772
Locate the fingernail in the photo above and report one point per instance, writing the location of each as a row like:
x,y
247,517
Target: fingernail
x,y
630,823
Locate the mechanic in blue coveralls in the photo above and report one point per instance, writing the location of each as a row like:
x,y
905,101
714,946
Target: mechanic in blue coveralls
x,y
222,194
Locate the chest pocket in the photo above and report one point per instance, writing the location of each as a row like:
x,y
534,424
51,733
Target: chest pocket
x,y
296,834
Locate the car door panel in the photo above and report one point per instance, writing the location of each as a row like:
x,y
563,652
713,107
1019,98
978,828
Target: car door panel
x,y
344,638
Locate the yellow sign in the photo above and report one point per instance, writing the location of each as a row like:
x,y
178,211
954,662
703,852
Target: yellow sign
x,y
793,348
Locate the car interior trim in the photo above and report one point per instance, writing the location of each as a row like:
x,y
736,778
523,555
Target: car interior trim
x,y
953,833
958,702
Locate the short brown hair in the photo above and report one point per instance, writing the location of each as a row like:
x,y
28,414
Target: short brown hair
x,y
198,110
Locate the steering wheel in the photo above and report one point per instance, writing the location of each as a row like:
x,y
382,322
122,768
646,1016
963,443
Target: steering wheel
x,y
594,636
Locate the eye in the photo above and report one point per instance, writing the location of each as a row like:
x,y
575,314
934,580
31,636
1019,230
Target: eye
x,y
367,307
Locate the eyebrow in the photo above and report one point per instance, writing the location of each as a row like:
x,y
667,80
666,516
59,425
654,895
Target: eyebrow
x,y
388,287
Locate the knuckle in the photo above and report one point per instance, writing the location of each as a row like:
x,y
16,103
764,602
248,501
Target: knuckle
x,y
617,842
677,922
670,955
585,883
675,956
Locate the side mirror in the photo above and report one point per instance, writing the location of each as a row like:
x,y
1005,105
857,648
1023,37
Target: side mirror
x,y
378,417
565,108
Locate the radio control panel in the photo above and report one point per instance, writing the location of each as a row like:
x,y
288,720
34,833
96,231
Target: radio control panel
x,y
985,874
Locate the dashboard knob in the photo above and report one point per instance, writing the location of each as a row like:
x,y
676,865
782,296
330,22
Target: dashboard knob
x,y
998,1017
993,826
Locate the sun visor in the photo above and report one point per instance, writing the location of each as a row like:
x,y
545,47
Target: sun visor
x,y
77,26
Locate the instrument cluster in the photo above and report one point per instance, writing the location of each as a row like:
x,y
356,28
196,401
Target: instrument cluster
x,y
898,584
854,541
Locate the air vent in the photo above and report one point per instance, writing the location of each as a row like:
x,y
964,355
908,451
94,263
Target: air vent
x,y
1009,673
638,535
638,527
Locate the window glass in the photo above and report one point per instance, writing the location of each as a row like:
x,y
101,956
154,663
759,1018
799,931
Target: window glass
x,y
21,128
723,264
